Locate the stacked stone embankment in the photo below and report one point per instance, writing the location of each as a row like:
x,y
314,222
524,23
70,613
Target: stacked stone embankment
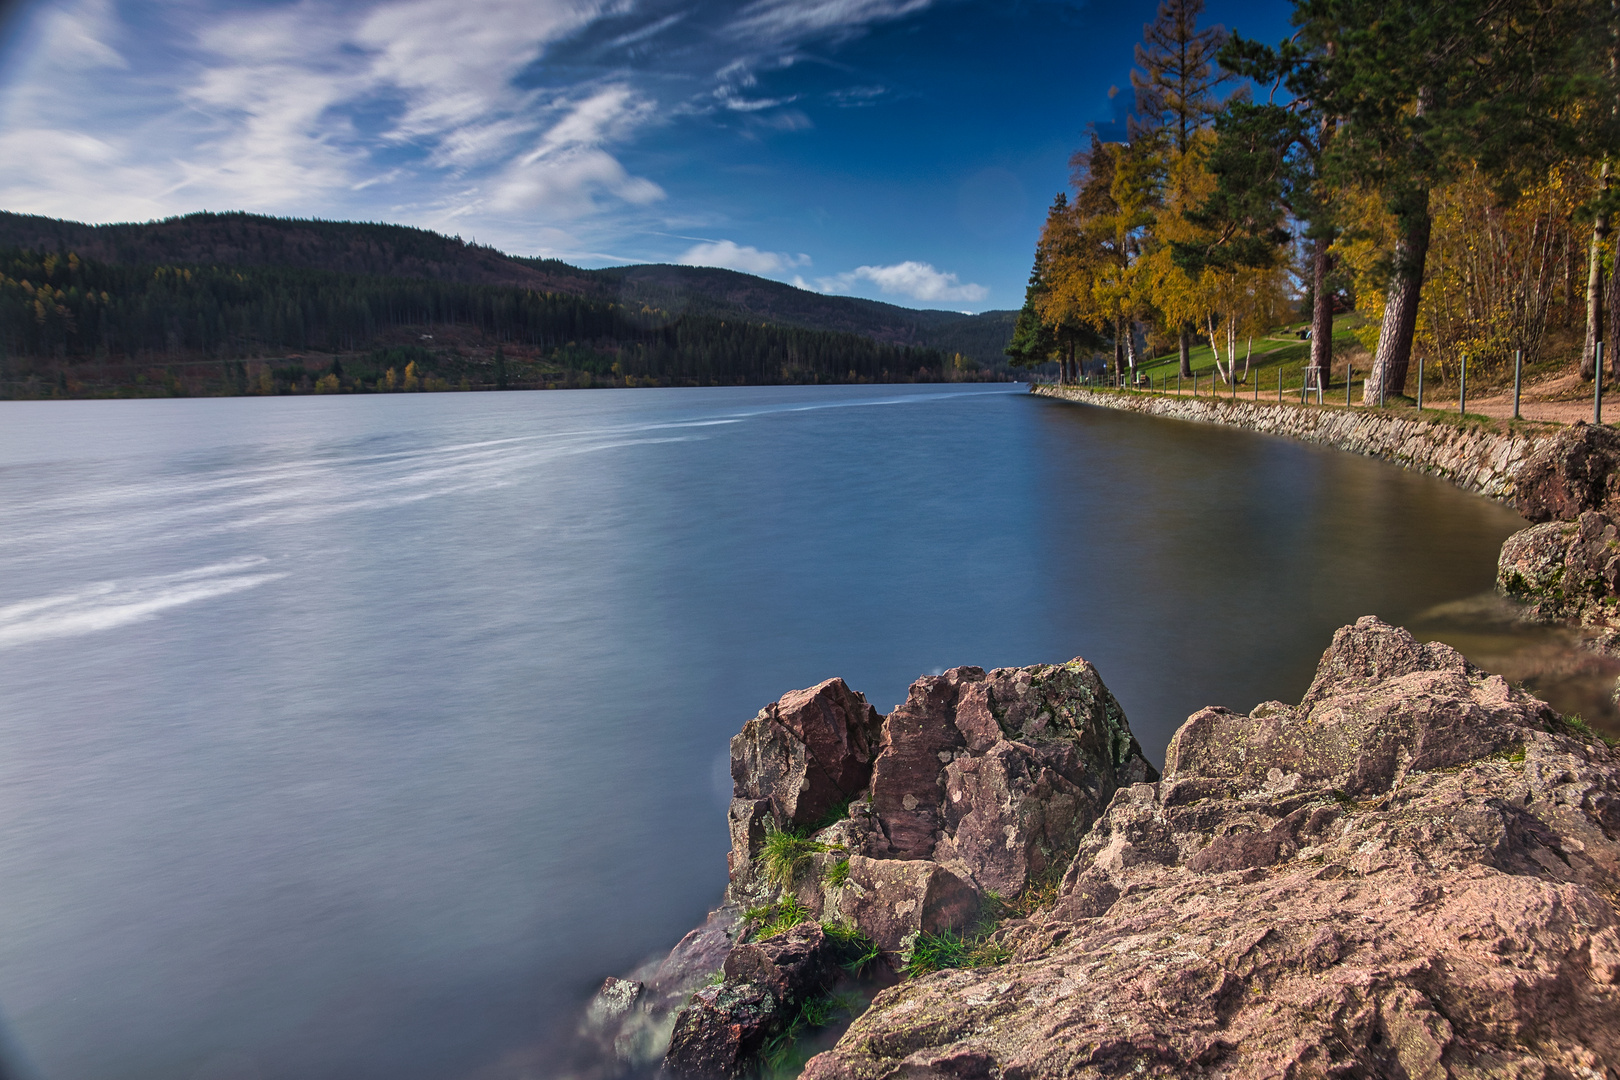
x,y
1473,457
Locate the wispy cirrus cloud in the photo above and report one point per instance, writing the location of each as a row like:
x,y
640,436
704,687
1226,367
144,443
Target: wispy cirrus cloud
x,y
910,279
732,256
775,23
525,123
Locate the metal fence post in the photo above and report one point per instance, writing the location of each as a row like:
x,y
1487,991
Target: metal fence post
x,y
1462,388
1597,394
1349,381
1279,384
1518,369
1420,384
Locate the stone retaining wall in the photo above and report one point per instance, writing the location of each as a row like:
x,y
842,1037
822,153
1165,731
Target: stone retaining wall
x,y
1477,460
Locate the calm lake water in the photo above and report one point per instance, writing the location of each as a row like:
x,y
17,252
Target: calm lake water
x,y
361,737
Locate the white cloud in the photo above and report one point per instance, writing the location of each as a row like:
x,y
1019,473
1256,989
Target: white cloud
x,y
258,110
914,280
568,169
773,23
77,35
732,256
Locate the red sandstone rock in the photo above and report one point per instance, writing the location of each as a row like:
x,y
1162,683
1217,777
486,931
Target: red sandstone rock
x,y
1565,570
1411,874
1572,473
807,752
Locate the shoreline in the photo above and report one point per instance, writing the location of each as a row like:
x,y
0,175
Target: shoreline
x,y
1467,452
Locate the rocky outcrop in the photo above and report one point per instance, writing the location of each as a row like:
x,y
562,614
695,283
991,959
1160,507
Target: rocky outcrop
x,y
1570,474
1411,873
1472,456
985,781
806,753
977,782
1565,571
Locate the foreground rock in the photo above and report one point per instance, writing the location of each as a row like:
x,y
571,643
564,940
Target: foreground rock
x,y
979,782
897,826
1412,873
1573,472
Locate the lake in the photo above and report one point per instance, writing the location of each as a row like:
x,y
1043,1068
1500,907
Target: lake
x,y
361,737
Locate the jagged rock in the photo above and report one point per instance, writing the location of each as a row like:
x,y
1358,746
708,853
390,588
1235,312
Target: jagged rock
x,y
790,965
999,775
806,753
1570,474
1412,873
891,900
617,997
723,1030
1565,570
993,776
720,1034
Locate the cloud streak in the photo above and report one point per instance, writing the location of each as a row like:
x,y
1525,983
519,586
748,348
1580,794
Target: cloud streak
x,y
731,256
910,279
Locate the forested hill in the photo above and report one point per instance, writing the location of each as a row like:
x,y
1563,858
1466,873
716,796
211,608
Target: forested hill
x,y
236,304
251,240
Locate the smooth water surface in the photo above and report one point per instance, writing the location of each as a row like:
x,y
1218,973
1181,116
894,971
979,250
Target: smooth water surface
x,y
361,737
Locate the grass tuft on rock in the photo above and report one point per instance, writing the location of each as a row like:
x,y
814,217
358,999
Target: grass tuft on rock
x,y
1575,724
949,949
854,948
777,917
784,852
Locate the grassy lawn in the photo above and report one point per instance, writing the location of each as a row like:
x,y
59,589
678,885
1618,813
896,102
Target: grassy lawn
x,y
1281,348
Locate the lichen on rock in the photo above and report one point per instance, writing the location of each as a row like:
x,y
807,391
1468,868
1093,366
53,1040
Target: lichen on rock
x,y
1412,872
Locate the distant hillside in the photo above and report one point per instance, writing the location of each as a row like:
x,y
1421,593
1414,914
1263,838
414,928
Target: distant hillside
x,y
375,250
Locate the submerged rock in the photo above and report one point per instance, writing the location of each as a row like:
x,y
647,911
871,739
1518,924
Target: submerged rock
x,y
1411,873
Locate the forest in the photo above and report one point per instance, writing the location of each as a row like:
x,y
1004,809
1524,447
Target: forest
x,y
1439,173
76,326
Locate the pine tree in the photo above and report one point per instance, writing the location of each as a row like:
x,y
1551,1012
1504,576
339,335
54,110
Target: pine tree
x,y
1425,90
1176,82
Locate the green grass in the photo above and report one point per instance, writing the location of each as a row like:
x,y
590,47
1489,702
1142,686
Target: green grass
x,y
784,852
776,917
1576,724
837,812
949,949
783,1058
838,873
855,950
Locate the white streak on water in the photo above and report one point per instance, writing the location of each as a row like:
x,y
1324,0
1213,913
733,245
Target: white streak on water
x,y
104,605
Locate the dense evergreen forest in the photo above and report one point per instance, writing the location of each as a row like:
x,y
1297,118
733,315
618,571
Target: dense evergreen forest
x,y
222,303
78,326
1442,170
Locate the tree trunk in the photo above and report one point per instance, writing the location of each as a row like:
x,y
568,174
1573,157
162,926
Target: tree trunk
x,y
1214,344
1130,347
1594,287
1119,348
1186,350
1388,376
1321,311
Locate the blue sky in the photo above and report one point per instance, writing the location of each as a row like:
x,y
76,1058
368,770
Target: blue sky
x,y
904,150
